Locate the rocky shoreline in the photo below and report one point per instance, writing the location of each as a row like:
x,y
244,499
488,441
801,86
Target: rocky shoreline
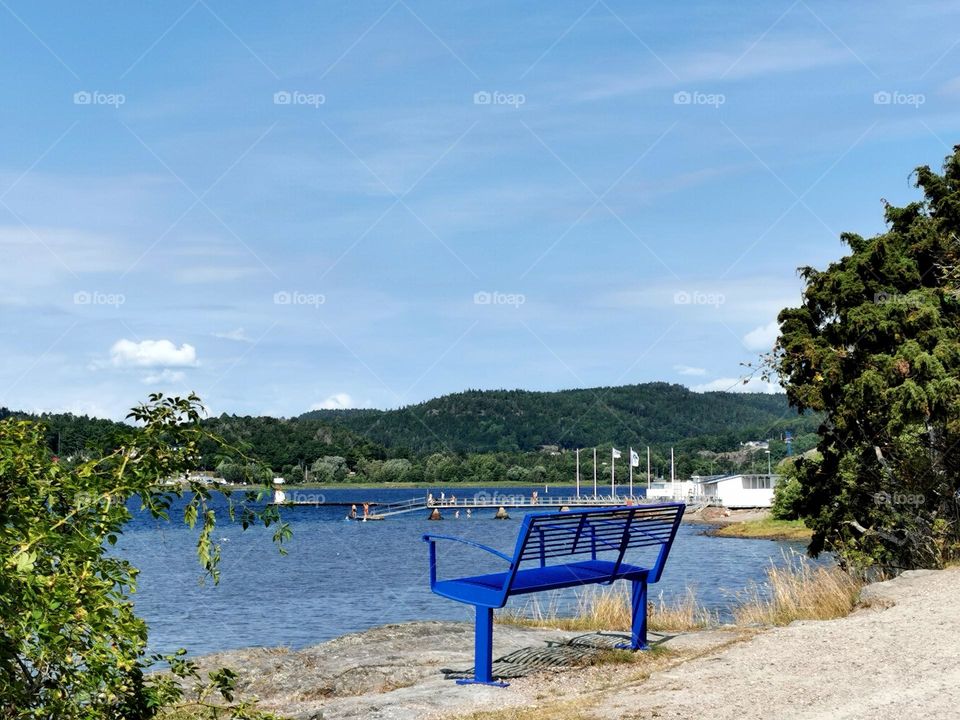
x,y
896,655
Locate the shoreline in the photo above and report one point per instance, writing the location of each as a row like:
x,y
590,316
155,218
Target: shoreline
x,y
751,524
893,655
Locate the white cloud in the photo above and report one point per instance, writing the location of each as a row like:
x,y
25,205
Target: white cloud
x,y
338,401
152,354
737,385
762,338
238,334
687,370
165,376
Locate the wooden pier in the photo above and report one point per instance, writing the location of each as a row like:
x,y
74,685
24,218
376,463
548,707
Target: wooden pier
x,y
478,501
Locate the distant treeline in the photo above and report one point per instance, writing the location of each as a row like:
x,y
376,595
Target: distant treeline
x,y
483,437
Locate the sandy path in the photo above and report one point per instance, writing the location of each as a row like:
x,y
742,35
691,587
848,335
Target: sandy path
x,y
898,662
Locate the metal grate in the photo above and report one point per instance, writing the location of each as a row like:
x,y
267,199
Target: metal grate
x,y
556,655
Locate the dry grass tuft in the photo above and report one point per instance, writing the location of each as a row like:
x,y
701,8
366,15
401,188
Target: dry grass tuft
x,y
795,590
608,608
798,590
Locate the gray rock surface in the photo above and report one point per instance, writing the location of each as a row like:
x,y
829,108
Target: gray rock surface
x,y
898,657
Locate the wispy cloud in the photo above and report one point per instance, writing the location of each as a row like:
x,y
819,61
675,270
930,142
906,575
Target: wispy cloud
x,y
762,338
237,335
767,58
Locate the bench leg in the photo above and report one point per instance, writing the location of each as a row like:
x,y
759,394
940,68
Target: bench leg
x,y
483,650
638,630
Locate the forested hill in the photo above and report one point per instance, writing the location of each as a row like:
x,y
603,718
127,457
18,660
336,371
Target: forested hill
x,y
520,420
277,442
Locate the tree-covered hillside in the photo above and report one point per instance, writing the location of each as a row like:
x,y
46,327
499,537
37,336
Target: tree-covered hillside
x,y
478,436
519,420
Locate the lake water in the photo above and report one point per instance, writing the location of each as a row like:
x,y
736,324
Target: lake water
x,y
340,577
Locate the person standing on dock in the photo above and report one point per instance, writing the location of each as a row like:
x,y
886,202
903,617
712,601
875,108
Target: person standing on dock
x,y
533,498
366,510
429,499
353,511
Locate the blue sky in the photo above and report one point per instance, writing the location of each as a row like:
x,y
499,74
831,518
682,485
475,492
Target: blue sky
x,y
297,205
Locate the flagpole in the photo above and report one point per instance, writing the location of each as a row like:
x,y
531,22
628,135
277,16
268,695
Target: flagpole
x,y
631,471
613,473
648,467
578,473
594,472
673,479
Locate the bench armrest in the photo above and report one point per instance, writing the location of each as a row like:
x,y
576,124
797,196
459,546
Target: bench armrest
x,y
432,538
433,552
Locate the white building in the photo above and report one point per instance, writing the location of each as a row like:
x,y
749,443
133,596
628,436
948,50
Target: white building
x,y
738,491
681,490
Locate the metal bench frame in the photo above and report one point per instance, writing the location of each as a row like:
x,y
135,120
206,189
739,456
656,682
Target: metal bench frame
x,y
556,535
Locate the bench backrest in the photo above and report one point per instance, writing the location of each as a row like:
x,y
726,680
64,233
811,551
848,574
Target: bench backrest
x,y
546,537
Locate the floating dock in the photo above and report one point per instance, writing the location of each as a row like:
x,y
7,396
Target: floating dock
x,y
479,501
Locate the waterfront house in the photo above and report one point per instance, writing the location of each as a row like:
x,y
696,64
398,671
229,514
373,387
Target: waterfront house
x,y
737,491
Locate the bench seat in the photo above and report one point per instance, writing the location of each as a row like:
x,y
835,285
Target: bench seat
x,y
534,579
562,549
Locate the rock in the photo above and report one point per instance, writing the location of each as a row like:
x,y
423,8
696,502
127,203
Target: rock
x,y
501,514
435,515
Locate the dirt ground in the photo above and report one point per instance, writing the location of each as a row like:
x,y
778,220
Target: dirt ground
x,y
898,657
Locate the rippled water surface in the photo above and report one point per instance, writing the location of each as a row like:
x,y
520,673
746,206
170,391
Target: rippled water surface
x,y
341,577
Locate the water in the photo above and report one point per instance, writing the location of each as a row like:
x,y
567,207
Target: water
x,y
340,577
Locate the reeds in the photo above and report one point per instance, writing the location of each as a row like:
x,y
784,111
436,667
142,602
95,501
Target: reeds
x,y
795,590
798,590
608,608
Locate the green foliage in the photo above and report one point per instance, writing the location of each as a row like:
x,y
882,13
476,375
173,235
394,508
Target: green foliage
x,y
244,473
787,494
876,348
72,647
329,469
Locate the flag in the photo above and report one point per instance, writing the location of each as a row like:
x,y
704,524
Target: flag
x,y
616,453
634,458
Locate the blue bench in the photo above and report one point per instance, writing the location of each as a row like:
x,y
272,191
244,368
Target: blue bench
x,y
564,549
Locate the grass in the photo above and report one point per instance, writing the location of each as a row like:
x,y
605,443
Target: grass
x,y
608,608
766,528
798,590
